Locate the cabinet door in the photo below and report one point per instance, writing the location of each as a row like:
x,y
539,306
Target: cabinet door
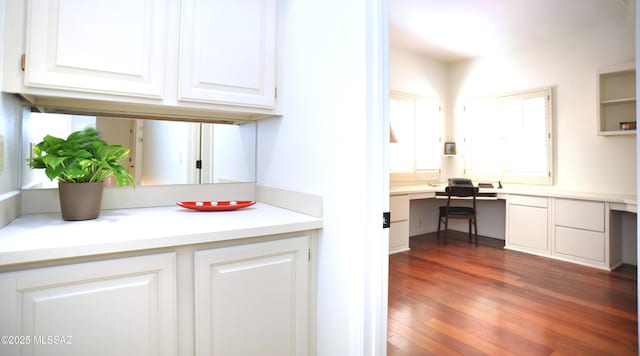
x,y
399,229
228,52
253,299
399,236
123,306
528,228
102,46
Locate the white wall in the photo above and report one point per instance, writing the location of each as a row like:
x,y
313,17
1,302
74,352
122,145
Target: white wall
x,y
319,146
584,161
173,163
234,153
10,129
416,74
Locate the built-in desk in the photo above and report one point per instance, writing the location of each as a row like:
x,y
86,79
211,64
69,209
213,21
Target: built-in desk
x,y
597,230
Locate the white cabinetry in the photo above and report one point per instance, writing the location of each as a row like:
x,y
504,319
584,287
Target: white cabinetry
x,y
617,99
253,299
203,59
124,306
580,231
228,52
105,46
399,230
528,224
215,299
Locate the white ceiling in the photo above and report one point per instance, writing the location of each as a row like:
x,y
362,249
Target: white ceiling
x,y
452,30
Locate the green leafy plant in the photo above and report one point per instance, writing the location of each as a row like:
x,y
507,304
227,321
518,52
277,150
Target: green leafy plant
x,y
82,158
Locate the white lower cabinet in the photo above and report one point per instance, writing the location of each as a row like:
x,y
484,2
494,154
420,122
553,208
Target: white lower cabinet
x,y
572,230
528,224
581,232
399,229
124,306
580,243
223,298
253,299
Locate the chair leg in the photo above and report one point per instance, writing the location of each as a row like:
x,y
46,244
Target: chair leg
x,y
446,228
475,225
439,222
470,220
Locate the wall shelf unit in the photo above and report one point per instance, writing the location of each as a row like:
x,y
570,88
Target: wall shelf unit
x,y
616,99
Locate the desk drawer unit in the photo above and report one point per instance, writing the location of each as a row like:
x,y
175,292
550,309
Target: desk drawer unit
x,y
399,230
580,230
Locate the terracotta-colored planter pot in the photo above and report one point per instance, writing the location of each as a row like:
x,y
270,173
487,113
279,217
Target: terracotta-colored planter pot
x,y
80,201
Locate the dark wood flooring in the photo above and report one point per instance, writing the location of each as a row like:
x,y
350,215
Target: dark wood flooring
x,y
466,300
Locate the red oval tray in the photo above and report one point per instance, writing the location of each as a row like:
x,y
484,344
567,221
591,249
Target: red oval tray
x,y
216,205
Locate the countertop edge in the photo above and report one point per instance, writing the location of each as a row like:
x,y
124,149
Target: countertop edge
x,y
291,222
612,198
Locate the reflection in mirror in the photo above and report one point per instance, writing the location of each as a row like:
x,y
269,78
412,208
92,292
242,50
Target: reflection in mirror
x,y
161,152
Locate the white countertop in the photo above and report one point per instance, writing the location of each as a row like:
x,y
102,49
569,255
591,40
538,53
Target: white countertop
x,y
397,189
40,237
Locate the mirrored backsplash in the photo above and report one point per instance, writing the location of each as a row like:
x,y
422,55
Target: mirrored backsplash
x,y
161,152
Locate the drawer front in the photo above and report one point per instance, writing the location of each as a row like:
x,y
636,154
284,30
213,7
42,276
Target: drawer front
x,y
399,207
528,200
399,236
580,214
580,243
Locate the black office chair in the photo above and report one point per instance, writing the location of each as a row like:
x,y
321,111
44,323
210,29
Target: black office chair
x,y
459,212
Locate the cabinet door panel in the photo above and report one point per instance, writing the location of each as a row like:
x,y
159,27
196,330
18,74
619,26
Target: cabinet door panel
x,y
252,299
122,307
105,46
399,236
399,207
228,52
528,227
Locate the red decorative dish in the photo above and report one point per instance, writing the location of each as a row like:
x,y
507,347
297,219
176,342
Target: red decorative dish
x,y
216,205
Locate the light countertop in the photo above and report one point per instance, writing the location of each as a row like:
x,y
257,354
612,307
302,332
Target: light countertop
x,y
398,189
40,237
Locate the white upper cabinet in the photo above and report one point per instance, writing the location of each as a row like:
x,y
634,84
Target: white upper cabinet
x,y
228,52
189,59
104,46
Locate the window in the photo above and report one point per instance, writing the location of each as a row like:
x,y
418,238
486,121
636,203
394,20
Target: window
x,y
417,126
508,138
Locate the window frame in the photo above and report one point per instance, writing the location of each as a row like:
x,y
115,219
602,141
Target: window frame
x,y
504,175
419,175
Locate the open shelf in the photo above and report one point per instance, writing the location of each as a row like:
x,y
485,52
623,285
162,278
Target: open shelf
x,y
616,99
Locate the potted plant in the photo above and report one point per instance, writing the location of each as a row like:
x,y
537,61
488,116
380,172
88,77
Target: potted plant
x,y
81,163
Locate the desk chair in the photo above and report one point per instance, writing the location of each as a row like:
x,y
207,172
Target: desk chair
x,y
459,212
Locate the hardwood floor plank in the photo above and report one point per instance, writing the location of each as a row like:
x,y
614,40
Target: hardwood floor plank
x,y
462,299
